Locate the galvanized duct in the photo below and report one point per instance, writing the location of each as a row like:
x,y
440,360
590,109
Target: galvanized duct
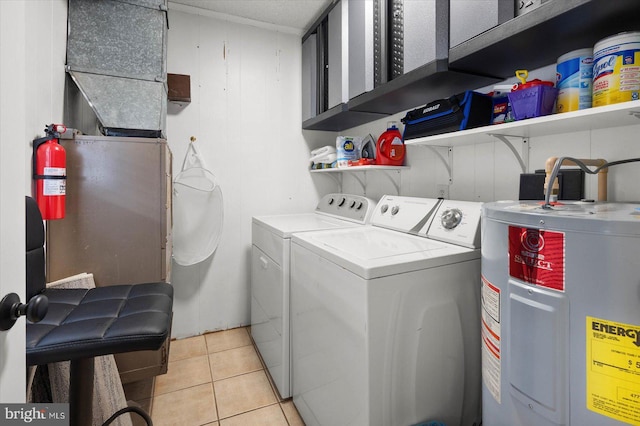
x,y
116,55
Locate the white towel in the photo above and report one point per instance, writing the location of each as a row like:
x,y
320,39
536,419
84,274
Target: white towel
x,y
326,154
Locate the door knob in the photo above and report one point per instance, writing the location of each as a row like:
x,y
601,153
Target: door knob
x,y
11,309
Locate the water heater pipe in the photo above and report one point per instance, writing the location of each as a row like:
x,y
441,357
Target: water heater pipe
x,y
602,174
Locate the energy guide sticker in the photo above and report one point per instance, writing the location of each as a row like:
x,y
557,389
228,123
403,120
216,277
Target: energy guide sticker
x,y
613,369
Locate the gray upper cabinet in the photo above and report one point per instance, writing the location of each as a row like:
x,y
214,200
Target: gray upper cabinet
x,y
419,33
309,78
338,65
537,38
361,47
419,56
373,47
472,17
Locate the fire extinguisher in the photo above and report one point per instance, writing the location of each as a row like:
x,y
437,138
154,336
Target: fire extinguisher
x,y
50,172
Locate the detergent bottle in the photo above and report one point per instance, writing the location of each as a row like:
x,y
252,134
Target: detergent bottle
x,y
390,150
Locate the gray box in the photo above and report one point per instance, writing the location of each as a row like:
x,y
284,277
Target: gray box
x,y
419,33
338,54
472,17
361,47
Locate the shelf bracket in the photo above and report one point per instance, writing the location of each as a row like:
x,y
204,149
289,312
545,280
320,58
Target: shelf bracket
x,y
393,182
337,177
363,183
445,161
387,173
523,159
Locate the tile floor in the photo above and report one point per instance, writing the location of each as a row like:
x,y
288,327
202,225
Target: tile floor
x,y
216,379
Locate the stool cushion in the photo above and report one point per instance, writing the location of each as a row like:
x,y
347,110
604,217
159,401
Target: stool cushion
x,y
83,323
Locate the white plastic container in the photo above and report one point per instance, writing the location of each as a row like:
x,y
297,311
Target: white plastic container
x,y
347,149
574,77
616,69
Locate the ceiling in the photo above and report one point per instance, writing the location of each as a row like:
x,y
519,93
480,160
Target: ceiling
x,y
297,14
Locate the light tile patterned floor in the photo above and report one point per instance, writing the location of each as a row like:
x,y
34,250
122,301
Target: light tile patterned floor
x,y
216,379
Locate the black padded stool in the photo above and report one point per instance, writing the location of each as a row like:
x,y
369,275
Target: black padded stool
x,y
81,324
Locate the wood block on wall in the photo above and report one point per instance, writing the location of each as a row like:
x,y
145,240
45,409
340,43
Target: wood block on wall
x,y
179,86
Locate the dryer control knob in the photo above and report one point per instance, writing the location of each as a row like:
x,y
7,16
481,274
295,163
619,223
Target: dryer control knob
x,y
451,218
395,210
353,204
331,200
359,206
342,201
384,208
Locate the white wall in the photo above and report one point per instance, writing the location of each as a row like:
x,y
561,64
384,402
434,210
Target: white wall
x,y
32,42
245,112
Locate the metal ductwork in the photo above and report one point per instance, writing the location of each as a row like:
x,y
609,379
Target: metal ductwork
x,y
116,58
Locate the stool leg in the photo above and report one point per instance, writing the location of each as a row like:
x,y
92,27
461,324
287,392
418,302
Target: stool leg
x,y
81,392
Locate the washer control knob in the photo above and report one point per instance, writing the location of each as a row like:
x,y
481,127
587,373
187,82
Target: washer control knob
x,y
451,218
353,204
331,200
395,210
384,208
359,206
342,201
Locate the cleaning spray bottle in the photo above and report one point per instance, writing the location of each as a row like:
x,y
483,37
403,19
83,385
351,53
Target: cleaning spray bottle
x,y
390,150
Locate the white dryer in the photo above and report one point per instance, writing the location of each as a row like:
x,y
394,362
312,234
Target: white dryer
x,y
270,275
385,317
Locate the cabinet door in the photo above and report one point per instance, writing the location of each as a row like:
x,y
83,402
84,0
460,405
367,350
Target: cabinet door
x,y
338,51
309,77
425,32
361,47
468,18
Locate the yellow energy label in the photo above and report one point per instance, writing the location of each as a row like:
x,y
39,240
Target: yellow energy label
x,y
613,369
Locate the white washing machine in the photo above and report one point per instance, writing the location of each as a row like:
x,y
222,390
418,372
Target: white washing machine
x,y
385,317
270,274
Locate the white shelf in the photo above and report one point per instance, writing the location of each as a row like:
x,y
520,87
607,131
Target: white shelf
x,y
358,169
337,173
622,114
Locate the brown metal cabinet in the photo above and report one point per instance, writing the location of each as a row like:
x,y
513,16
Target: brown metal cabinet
x,y
117,224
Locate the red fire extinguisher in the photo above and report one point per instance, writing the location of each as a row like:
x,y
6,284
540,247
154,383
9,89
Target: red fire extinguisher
x,y
50,172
